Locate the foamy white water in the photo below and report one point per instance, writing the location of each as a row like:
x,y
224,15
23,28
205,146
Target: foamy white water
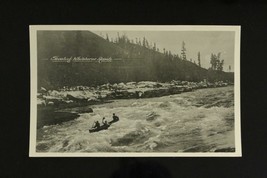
x,y
199,121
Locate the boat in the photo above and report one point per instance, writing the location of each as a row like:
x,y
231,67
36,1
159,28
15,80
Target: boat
x,y
114,120
102,127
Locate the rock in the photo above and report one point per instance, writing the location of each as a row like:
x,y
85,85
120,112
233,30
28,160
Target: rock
x,y
43,90
187,89
39,95
175,90
70,97
54,93
146,84
69,101
80,88
121,86
49,117
158,85
51,103
115,85
184,82
139,94
124,94
155,93
41,102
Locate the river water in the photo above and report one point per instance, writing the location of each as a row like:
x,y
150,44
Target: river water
x,y
199,121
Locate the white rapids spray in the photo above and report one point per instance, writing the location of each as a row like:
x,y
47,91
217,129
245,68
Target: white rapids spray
x,y
199,121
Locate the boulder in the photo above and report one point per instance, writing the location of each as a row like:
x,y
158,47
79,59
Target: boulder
x,y
41,102
50,103
73,98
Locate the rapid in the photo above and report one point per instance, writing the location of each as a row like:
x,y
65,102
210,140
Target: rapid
x,y
198,121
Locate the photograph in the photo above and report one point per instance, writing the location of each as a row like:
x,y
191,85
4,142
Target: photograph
x,y
135,91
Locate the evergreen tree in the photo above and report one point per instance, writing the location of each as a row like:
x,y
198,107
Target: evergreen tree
x,y
144,42
154,47
107,38
183,53
147,45
198,59
170,54
213,61
220,67
216,63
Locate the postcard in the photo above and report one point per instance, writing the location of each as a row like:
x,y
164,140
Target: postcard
x,y
135,91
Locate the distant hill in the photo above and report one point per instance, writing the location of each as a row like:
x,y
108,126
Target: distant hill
x,y
131,62
74,43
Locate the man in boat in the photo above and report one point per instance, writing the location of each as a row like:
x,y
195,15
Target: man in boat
x,y
97,124
115,118
104,121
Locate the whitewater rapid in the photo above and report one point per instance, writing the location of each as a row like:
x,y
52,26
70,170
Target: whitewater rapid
x,y
199,121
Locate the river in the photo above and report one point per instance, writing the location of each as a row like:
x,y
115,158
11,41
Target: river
x,y
198,121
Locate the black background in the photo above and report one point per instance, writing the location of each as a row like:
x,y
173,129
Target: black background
x,y
15,19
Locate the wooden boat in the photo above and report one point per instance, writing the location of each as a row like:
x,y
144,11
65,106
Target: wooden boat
x,y
111,122
102,127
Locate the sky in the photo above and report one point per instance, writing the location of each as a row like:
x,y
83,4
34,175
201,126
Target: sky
x,y
205,42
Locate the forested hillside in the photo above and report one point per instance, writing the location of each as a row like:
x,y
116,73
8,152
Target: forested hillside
x,y
130,61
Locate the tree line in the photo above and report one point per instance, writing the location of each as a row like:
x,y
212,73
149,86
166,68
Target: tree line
x,y
123,40
141,60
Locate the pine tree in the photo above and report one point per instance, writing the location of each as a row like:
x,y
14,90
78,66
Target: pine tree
x,y
147,45
154,47
220,67
198,59
183,54
144,42
216,63
107,38
170,54
213,61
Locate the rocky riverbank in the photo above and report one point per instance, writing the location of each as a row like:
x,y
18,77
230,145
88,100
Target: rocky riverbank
x,y
55,106
68,97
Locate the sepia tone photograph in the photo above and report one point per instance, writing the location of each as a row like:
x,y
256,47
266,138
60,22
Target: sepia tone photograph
x,y
152,91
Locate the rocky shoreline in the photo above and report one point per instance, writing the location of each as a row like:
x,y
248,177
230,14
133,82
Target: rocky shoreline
x,y
66,103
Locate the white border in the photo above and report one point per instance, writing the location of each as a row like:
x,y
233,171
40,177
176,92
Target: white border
x,y
33,65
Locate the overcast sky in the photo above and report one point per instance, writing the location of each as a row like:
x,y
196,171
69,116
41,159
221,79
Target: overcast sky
x,y
205,42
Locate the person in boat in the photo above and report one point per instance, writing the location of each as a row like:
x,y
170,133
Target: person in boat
x,y
105,122
115,118
97,124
